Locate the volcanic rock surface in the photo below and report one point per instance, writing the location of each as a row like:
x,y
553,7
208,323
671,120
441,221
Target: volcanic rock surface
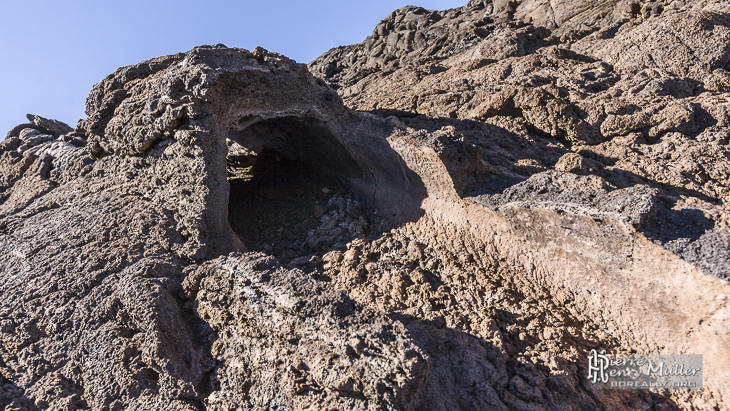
x,y
447,216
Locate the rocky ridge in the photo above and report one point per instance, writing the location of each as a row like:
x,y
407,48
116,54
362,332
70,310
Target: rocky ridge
x,y
517,184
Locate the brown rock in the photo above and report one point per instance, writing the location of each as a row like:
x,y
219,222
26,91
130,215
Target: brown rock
x,y
522,182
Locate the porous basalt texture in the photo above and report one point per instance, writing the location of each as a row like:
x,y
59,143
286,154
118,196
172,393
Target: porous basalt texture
x,y
522,182
288,340
629,92
590,130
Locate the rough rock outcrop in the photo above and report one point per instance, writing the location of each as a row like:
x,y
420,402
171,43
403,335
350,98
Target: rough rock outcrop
x,y
634,96
522,182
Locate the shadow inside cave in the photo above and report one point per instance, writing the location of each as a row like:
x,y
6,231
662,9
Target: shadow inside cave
x,y
298,190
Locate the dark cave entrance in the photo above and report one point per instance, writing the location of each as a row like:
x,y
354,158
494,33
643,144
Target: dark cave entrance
x,y
291,188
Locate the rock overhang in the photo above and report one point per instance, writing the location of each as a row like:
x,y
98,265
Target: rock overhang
x,y
188,106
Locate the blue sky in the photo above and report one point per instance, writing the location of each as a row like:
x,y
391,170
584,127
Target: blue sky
x,y
53,52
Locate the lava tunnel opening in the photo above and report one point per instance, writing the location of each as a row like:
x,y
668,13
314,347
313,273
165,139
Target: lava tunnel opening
x,y
291,189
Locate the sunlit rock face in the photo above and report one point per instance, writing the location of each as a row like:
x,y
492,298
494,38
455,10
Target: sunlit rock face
x,y
449,215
